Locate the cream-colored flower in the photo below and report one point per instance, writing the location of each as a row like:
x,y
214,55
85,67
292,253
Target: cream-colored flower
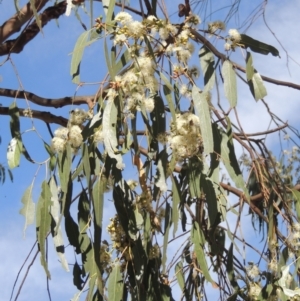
x,y
234,35
123,17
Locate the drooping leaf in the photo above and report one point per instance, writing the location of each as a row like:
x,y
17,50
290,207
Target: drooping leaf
x,y
77,272
86,163
108,6
179,275
194,176
211,199
160,178
123,199
198,240
254,79
167,89
158,117
230,87
257,46
56,229
231,164
35,13
203,112
77,56
109,64
175,200
168,222
13,154
109,131
207,62
115,284
122,62
28,209
98,203
14,121
43,223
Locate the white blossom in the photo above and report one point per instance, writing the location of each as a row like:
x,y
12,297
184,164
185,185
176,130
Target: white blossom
x,y
234,35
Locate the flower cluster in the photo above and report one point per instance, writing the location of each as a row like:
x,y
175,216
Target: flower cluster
x,y
214,26
154,252
252,271
185,139
138,86
118,236
70,134
254,291
105,256
233,40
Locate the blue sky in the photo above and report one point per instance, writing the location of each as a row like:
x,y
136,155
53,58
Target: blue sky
x,y
43,68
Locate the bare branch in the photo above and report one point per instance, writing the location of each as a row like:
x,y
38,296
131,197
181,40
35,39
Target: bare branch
x,y
198,37
44,116
17,45
47,102
15,23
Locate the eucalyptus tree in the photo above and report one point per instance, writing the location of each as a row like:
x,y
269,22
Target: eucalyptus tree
x,y
162,136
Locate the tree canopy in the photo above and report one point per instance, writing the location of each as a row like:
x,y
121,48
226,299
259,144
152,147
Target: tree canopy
x,y
149,168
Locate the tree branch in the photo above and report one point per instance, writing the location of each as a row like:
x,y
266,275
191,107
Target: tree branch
x,y
198,37
17,45
48,102
14,24
44,116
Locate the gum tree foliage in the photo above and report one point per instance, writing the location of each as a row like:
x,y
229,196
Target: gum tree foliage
x,y
157,138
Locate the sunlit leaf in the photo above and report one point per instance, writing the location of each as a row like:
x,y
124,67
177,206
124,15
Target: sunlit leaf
x,y
77,56
36,15
207,62
168,222
108,6
56,231
43,223
175,202
230,87
255,81
28,209
198,240
115,284
203,112
109,131
160,178
179,275
13,154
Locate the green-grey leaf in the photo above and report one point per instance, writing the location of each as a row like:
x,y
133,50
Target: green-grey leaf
x,y
198,240
176,200
108,6
115,284
28,208
35,13
179,275
77,56
257,46
13,154
57,233
109,132
254,79
203,112
231,164
207,62
43,223
230,87
161,170
168,222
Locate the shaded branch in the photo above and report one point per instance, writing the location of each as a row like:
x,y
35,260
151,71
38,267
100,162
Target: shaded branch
x,y
198,37
48,102
44,116
14,24
17,45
